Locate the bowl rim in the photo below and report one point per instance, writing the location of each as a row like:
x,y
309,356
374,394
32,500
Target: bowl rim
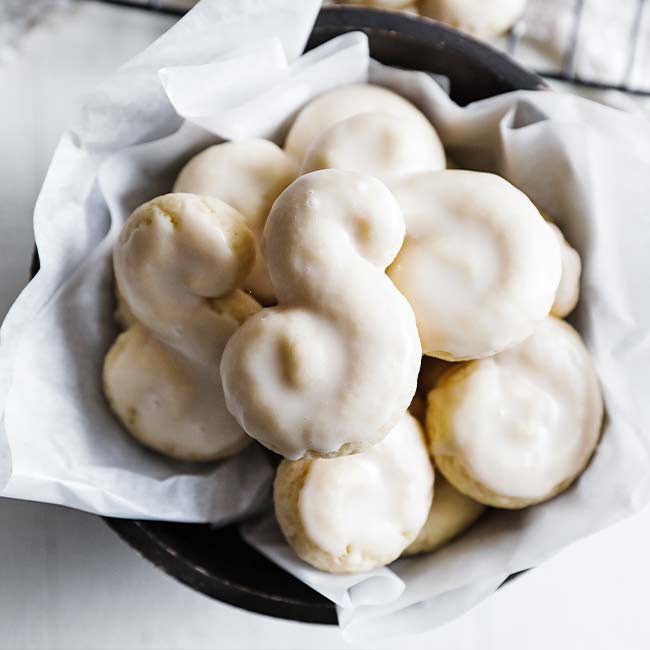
x,y
141,534
422,28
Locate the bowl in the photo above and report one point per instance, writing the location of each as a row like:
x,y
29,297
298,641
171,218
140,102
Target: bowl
x,y
217,562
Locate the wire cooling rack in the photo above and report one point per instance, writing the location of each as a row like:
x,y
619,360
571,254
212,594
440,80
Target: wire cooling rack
x,y
627,46
567,71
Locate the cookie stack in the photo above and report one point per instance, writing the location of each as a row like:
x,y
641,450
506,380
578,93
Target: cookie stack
x,y
288,296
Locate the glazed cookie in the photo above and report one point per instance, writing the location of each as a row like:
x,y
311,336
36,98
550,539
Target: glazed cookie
x,y
451,514
481,18
178,262
248,175
379,144
568,292
167,400
340,104
518,428
479,264
354,513
332,368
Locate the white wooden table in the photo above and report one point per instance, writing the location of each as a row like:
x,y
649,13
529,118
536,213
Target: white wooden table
x,y
66,581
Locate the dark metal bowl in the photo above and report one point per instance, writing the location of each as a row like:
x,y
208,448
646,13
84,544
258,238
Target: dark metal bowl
x,y
217,562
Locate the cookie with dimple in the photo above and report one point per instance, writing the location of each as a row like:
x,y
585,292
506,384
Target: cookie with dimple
x,y
248,175
339,104
518,428
379,144
354,513
333,367
479,265
480,18
450,515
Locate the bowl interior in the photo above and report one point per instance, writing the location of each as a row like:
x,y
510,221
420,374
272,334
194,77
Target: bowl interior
x,y
218,562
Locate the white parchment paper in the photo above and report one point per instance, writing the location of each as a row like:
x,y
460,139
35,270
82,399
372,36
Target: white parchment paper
x,y
586,164
59,442
381,586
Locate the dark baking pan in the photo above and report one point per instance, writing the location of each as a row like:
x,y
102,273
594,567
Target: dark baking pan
x,y
217,562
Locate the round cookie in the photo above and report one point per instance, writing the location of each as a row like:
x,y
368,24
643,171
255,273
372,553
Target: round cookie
x,y
175,255
568,291
167,401
518,428
354,513
340,104
248,175
451,514
481,18
378,144
479,265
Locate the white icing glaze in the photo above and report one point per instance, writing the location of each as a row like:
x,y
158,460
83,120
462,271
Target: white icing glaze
x,y
568,291
378,144
178,261
370,505
339,104
529,418
450,514
248,175
481,18
336,362
479,264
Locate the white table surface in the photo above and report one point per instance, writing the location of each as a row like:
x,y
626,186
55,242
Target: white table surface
x,y
66,581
